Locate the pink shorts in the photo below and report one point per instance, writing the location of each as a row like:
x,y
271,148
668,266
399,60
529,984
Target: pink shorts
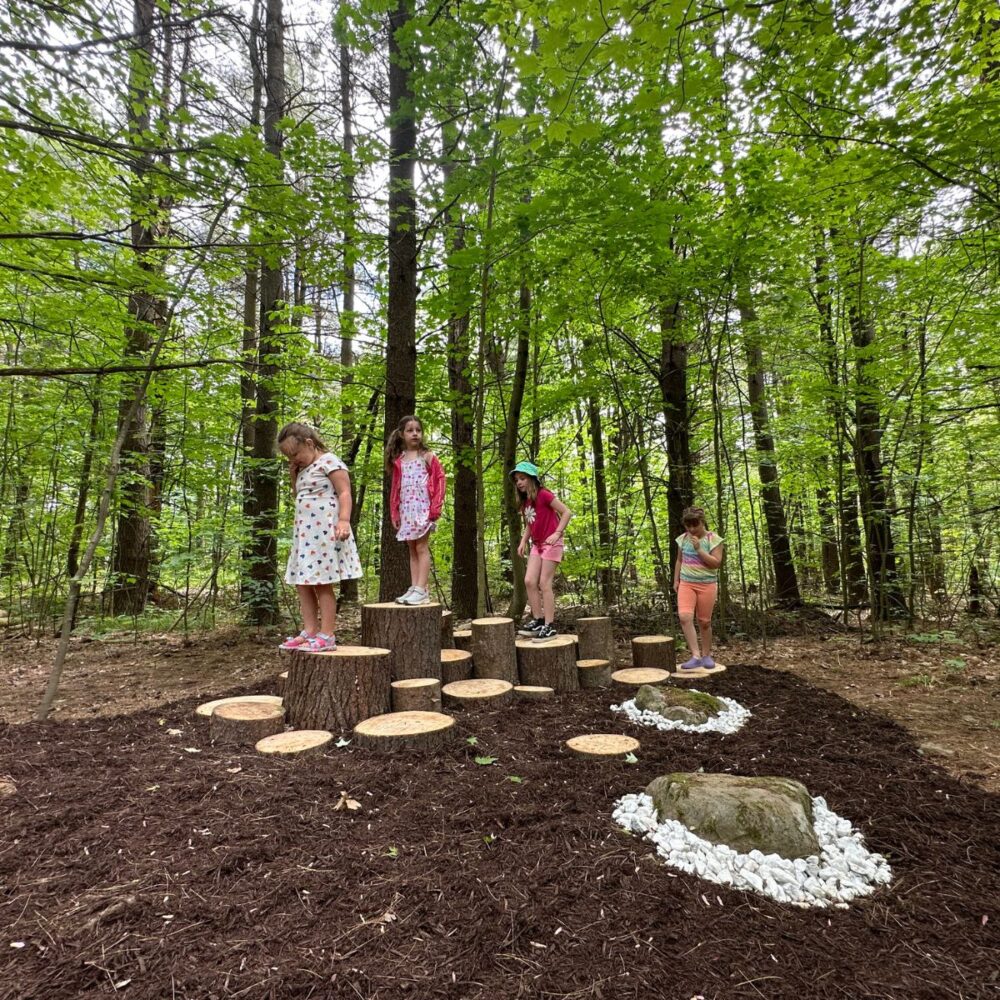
x,y
553,553
696,599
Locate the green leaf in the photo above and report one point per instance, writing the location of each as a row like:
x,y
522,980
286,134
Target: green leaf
x,y
485,761
630,758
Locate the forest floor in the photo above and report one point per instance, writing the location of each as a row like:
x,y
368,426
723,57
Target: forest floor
x,y
138,860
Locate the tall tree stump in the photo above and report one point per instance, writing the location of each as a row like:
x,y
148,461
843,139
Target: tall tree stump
x,y
456,665
244,723
486,692
336,689
654,651
280,681
548,664
462,637
413,634
595,640
447,629
493,649
593,673
404,731
416,694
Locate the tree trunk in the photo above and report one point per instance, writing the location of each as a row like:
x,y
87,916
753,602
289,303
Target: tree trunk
x,y
83,493
673,391
605,576
829,550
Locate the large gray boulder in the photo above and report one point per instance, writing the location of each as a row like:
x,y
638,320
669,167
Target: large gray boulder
x,y
690,707
773,815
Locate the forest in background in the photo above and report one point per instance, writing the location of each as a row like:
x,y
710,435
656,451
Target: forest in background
x,y
744,254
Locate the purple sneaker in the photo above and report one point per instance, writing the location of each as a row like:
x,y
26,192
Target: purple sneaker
x,y
707,663
693,664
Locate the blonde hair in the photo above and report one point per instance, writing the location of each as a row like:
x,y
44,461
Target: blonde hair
x,y
530,493
396,445
301,433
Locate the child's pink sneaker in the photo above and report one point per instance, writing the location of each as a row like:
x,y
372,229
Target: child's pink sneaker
x,y
297,641
322,643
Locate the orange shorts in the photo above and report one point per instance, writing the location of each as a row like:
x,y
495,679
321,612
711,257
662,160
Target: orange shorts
x,y
696,599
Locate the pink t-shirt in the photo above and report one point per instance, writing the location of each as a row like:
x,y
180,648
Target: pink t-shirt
x,y
540,516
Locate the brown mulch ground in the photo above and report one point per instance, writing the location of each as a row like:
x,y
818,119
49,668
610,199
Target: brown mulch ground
x,y
131,865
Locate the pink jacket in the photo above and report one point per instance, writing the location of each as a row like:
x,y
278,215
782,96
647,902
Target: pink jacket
x,y
435,486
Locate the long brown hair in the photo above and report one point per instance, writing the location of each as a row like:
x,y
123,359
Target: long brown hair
x,y
301,433
530,493
694,514
396,445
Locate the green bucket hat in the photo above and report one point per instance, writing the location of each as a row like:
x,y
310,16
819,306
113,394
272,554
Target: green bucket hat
x,y
528,469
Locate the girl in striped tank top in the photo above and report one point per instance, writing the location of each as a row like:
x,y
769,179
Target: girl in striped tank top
x,y
696,577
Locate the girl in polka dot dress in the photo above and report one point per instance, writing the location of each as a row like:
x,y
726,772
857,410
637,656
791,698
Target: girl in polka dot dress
x,y
323,550
416,497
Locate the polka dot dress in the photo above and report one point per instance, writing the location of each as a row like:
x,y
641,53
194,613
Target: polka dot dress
x,y
414,501
316,556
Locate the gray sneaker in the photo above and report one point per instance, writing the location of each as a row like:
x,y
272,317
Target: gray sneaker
x,y
416,596
402,599
545,633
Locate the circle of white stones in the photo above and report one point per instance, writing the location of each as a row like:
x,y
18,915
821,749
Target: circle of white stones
x,y
732,718
843,870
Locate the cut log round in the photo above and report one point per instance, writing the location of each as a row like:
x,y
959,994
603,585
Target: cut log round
x,y
493,649
336,689
404,731
295,744
593,673
447,627
203,713
243,723
416,694
462,638
717,669
549,664
412,633
595,639
281,681
456,665
654,651
486,692
533,692
602,746
637,676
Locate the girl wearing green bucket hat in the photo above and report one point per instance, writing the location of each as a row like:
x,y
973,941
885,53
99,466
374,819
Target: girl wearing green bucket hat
x,y
545,520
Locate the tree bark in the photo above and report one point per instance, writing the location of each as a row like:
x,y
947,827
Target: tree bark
x,y
413,634
672,378
335,691
493,654
549,664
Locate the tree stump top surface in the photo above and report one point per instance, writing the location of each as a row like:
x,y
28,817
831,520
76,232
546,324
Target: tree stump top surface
x,y
415,682
396,606
345,651
478,687
499,620
602,745
640,675
592,664
207,708
404,724
464,631
595,618
534,691
701,672
653,638
454,655
294,742
557,643
239,711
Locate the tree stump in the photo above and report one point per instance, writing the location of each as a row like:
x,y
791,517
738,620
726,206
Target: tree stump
x,y
203,713
593,673
486,692
493,653
637,676
280,681
654,651
549,664
701,672
595,640
413,634
602,746
336,689
447,628
244,723
462,637
533,692
404,731
416,694
456,665
296,744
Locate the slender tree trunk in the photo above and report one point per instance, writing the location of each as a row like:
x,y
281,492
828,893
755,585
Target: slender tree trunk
x,y
673,391
605,577
829,551
401,350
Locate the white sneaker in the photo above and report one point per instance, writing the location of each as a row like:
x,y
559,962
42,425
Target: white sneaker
x,y
403,598
416,596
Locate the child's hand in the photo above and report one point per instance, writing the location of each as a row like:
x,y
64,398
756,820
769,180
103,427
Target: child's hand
x,y
520,549
343,531
553,538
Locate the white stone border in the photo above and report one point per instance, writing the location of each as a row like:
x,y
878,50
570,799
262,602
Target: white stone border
x,y
844,869
732,719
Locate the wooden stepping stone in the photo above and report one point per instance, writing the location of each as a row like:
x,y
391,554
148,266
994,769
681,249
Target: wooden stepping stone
x,y
549,664
456,665
595,639
594,673
404,731
411,632
533,692
602,746
480,692
295,744
416,694
203,713
701,672
447,628
654,651
462,638
281,681
244,723
636,676
493,649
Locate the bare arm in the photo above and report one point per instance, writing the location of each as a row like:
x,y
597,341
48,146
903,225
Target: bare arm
x,y
342,484
713,559
564,518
